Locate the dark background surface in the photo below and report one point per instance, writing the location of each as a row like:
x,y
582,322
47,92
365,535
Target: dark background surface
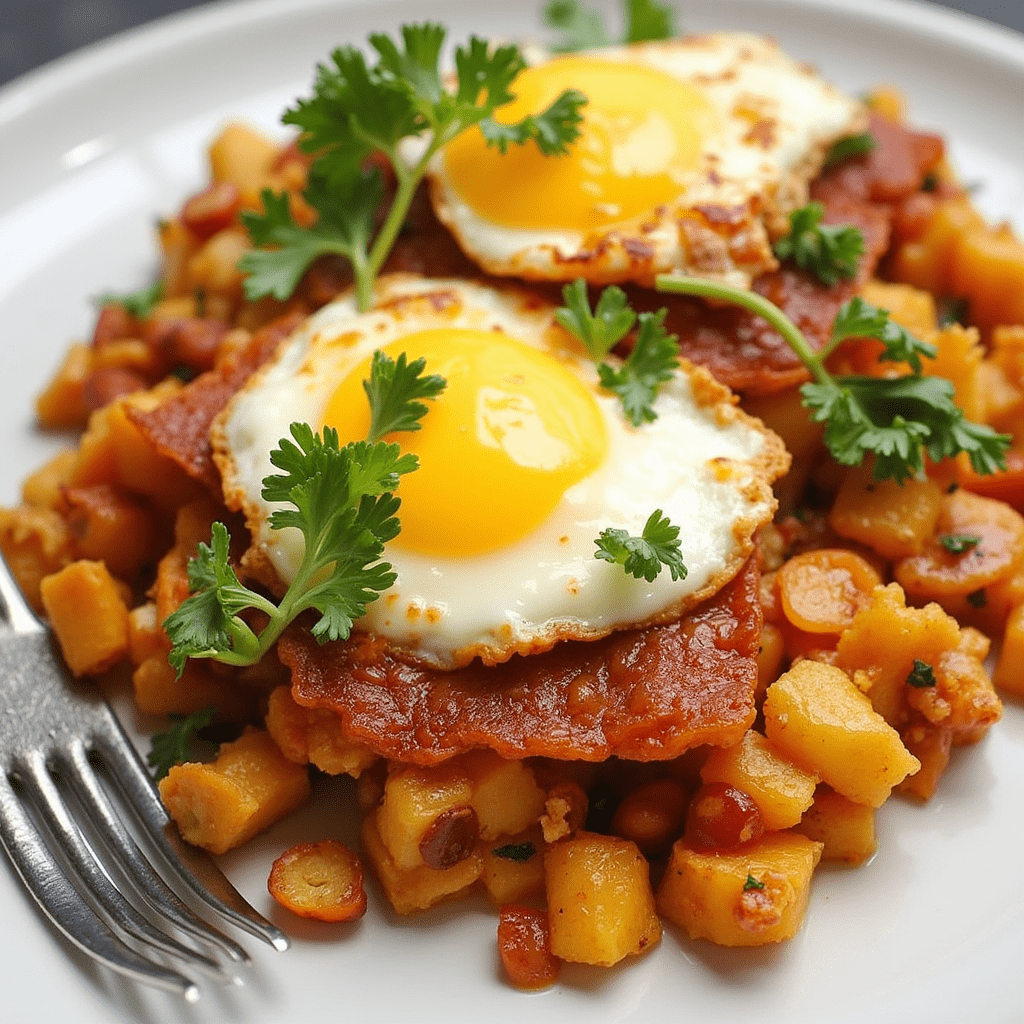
x,y
33,32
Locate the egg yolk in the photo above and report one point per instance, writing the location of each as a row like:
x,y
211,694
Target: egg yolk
x,y
513,429
642,132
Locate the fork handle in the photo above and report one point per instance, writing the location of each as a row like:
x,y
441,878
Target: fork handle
x,y
15,613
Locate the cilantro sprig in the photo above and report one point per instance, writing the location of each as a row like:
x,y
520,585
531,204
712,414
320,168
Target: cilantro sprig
x,y
643,557
175,744
896,420
584,29
360,108
341,498
830,252
652,361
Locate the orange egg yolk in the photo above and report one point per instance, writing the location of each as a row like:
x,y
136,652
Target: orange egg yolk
x,y
642,133
512,431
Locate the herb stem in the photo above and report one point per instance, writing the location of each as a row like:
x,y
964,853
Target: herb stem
x,y
762,307
408,180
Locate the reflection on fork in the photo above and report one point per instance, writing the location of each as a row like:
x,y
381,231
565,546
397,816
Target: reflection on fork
x,y
54,735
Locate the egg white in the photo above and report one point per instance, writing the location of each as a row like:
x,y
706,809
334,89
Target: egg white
x,y
776,119
705,464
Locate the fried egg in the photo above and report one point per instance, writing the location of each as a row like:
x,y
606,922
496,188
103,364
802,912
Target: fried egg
x,y
524,460
693,153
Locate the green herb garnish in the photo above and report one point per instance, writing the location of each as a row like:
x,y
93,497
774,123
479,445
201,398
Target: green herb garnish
x,y
358,109
896,420
174,745
921,675
139,304
584,29
848,147
752,883
519,852
830,252
642,557
342,501
958,543
977,598
652,362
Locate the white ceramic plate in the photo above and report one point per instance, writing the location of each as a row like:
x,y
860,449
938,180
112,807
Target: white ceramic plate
x,y
94,148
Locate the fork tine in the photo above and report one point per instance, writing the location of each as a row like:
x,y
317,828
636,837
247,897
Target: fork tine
x,y
65,907
32,773
78,773
192,866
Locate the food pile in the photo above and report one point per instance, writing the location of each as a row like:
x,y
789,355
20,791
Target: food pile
x,y
608,457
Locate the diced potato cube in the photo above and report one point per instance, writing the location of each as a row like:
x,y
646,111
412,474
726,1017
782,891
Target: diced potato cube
x,y
414,800
246,789
931,746
310,736
159,691
412,889
747,897
84,605
600,902
893,519
36,542
780,789
506,796
1009,673
517,873
884,641
61,406
846,829
816,716
146,636
43,487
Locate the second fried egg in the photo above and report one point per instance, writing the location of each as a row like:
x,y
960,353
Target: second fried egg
x,y
693,153
524,460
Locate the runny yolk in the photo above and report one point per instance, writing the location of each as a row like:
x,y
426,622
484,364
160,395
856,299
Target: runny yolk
x,y
512,431
642,132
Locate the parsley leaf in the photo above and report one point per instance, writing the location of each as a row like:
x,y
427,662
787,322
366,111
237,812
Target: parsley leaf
x,y
394,391
896,420
139,304
752,883
173,746
519,852
848,147
647,20
642,557
921,675
830,252
358,108
345,198
342,502
959,543
584,28
600,330
652,362
859,319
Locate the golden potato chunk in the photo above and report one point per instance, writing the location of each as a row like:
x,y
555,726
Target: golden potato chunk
x,y
816,716
780,789
84,605
246,789
748,897
846,829
412,889
600,902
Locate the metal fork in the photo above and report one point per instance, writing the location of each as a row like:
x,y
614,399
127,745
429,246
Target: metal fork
x,y
74,856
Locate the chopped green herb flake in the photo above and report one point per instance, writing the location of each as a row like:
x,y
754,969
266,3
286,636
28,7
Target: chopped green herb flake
x,y
139,304
848,147
174,745
921,675
830,252
519,852
752,883
958,543
643,557
977,598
